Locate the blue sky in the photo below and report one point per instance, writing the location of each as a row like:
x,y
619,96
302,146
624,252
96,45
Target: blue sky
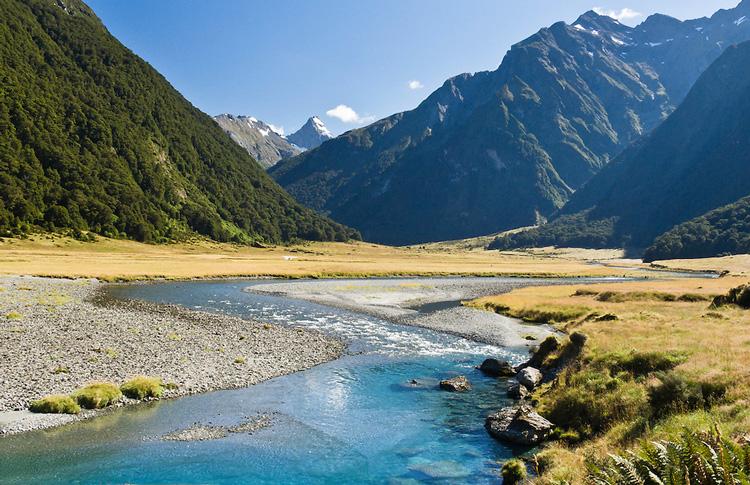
x,y
285,60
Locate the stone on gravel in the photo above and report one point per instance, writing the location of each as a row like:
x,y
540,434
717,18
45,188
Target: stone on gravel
x,y
497,368
519,425
456,384
529,377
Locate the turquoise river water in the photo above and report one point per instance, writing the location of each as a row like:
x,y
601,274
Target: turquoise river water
x,y
353,420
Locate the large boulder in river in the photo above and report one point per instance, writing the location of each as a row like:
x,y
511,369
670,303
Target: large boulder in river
x,y
456,384
519,425
529,377
517,391
497,368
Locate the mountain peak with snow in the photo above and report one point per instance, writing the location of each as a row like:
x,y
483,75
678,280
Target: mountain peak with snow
x,y
312,134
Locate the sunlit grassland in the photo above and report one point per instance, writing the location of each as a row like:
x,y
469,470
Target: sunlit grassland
x,y
666,325
126,260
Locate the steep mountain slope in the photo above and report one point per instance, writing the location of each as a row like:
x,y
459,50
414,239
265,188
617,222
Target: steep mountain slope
x,y
259,139
312,134
92,137
496,150
725,230
696,161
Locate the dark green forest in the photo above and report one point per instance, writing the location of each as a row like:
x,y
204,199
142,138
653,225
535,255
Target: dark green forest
x,y
720,232
92,138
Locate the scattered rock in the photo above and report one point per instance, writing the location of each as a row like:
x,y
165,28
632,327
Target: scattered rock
x,y
529,377
456,384
497,368
197,432
518,391
520,425
546,348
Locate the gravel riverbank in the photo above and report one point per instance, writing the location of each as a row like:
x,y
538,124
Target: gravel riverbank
x,y
59,335
432,303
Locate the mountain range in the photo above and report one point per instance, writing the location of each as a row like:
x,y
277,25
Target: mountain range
x,y
260,140
93,138
692,172
312,134
497,150
265,144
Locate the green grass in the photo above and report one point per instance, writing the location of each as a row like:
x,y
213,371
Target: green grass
x,y
548,313
142,387
97,395
56,404
13,316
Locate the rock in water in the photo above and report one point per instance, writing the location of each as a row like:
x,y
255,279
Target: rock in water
x,y
456,384
520,425
529,377
517,391
497,368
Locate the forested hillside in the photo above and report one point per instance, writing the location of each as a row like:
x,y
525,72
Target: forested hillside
x,y
93,138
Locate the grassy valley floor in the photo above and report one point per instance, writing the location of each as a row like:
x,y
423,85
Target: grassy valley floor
x,y
657,360
114,260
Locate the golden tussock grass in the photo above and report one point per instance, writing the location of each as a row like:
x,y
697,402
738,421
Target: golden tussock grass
x,y
116,260
652,320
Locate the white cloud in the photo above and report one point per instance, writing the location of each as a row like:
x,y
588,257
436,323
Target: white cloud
x,y
279,130
346,114
415,85
619,15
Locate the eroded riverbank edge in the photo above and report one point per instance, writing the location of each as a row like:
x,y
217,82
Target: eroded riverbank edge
x,y
59,335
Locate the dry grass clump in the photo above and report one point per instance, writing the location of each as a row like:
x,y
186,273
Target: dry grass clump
x,y
97,395
56,404
142,387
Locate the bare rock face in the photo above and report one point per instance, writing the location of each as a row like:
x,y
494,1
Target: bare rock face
x,y
456,384
497,368
519,425
529,377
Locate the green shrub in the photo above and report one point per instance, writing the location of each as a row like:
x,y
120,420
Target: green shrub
x,y
695,458
693,297
13,316
585,292
739,296
97,395
513,472
141,387
620,297
675,393
641,363
590,401
56,404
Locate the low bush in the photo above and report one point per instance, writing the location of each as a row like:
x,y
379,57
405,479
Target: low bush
x,y
549,313
513,472
585,292
56,404
142,387
588,402
695,458
97,395
621,297
693,297
641,363
739,296
674,393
